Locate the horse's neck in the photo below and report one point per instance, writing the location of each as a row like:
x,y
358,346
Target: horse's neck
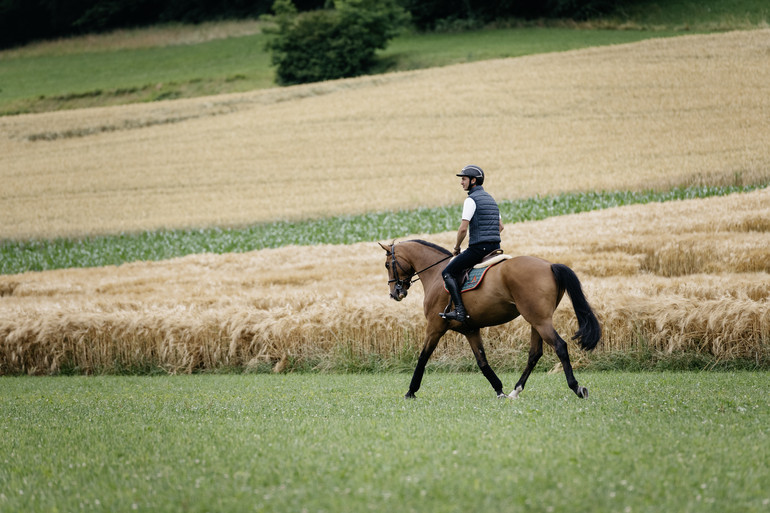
x,y
427,260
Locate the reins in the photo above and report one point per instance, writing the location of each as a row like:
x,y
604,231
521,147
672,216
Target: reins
x,y
395,265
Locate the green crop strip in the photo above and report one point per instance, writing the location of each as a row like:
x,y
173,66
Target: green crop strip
x,y
39,255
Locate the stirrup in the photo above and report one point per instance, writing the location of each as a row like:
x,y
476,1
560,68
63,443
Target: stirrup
x,y
454,315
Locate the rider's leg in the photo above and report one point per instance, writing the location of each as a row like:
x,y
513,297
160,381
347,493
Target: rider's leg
x,y
457,267
454,291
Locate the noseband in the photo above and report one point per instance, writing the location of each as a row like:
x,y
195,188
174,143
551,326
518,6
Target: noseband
x,y
401,285
404,284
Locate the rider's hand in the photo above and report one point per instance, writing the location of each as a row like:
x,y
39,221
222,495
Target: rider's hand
x,y
456,251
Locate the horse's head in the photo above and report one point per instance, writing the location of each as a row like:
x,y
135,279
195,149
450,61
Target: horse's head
x,y
400,273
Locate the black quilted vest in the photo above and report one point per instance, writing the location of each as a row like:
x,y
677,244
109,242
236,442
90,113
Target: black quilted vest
x,y
485,224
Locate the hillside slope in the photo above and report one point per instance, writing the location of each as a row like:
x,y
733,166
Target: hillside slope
x,y
652,114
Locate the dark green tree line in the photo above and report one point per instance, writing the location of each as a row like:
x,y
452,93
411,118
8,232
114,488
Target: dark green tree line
x,y
22,21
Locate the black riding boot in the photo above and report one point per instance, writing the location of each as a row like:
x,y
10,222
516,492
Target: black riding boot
x,y
454,291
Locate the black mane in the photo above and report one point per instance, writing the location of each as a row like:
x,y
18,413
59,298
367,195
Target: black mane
x,y
431,245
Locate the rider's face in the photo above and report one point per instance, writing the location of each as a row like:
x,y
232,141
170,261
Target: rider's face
x,y
465,182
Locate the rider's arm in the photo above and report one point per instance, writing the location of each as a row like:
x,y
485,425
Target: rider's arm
x,y
469,208
461,233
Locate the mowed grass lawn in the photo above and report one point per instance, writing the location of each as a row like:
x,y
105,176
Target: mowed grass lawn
x,y
315,442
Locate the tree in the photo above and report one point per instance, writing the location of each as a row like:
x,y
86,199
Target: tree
x,y
331,43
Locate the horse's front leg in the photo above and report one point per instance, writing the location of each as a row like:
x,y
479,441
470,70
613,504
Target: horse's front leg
x,y
432,336
474,339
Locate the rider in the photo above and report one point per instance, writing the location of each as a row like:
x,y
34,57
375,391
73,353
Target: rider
x,y
482,217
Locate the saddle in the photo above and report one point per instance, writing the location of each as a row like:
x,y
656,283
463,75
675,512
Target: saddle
x,y
472,277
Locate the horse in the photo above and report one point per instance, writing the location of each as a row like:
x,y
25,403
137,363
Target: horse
x,y
523,285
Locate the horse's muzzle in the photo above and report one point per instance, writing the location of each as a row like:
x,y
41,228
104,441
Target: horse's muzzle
x,y
398,294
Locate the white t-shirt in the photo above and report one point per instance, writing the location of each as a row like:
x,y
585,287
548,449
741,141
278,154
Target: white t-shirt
x,y
469,208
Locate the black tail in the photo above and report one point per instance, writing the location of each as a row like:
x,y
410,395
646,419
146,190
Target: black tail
x,y
589,332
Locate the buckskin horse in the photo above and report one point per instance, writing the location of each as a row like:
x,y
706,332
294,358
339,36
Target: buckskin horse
x,y
524,285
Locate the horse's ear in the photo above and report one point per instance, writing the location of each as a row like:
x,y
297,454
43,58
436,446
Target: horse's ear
x,y
383,246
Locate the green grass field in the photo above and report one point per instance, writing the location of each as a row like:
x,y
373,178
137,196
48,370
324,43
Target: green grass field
x,y
310,442
689,15
50,82
418,51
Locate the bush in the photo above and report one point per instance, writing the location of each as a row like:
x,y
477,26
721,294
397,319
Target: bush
x,y
331,43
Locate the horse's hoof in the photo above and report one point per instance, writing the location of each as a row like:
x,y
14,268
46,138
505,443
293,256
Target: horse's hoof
x,y
516,392
410,395
582,392
501,395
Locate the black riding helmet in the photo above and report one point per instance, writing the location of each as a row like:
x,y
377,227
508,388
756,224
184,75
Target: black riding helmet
x,y
473,172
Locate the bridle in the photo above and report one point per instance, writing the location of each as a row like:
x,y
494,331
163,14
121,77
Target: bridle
x,y
402,285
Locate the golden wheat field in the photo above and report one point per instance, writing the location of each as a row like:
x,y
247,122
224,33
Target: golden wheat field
x,y
652,114
680,276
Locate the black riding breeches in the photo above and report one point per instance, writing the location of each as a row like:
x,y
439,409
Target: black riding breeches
x,y
468,258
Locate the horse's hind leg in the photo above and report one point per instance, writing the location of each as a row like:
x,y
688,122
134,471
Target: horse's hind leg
x,y
560,346
535,352
474,339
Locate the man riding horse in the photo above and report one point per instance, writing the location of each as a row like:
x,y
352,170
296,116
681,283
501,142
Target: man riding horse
x,y
481,216
524,286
